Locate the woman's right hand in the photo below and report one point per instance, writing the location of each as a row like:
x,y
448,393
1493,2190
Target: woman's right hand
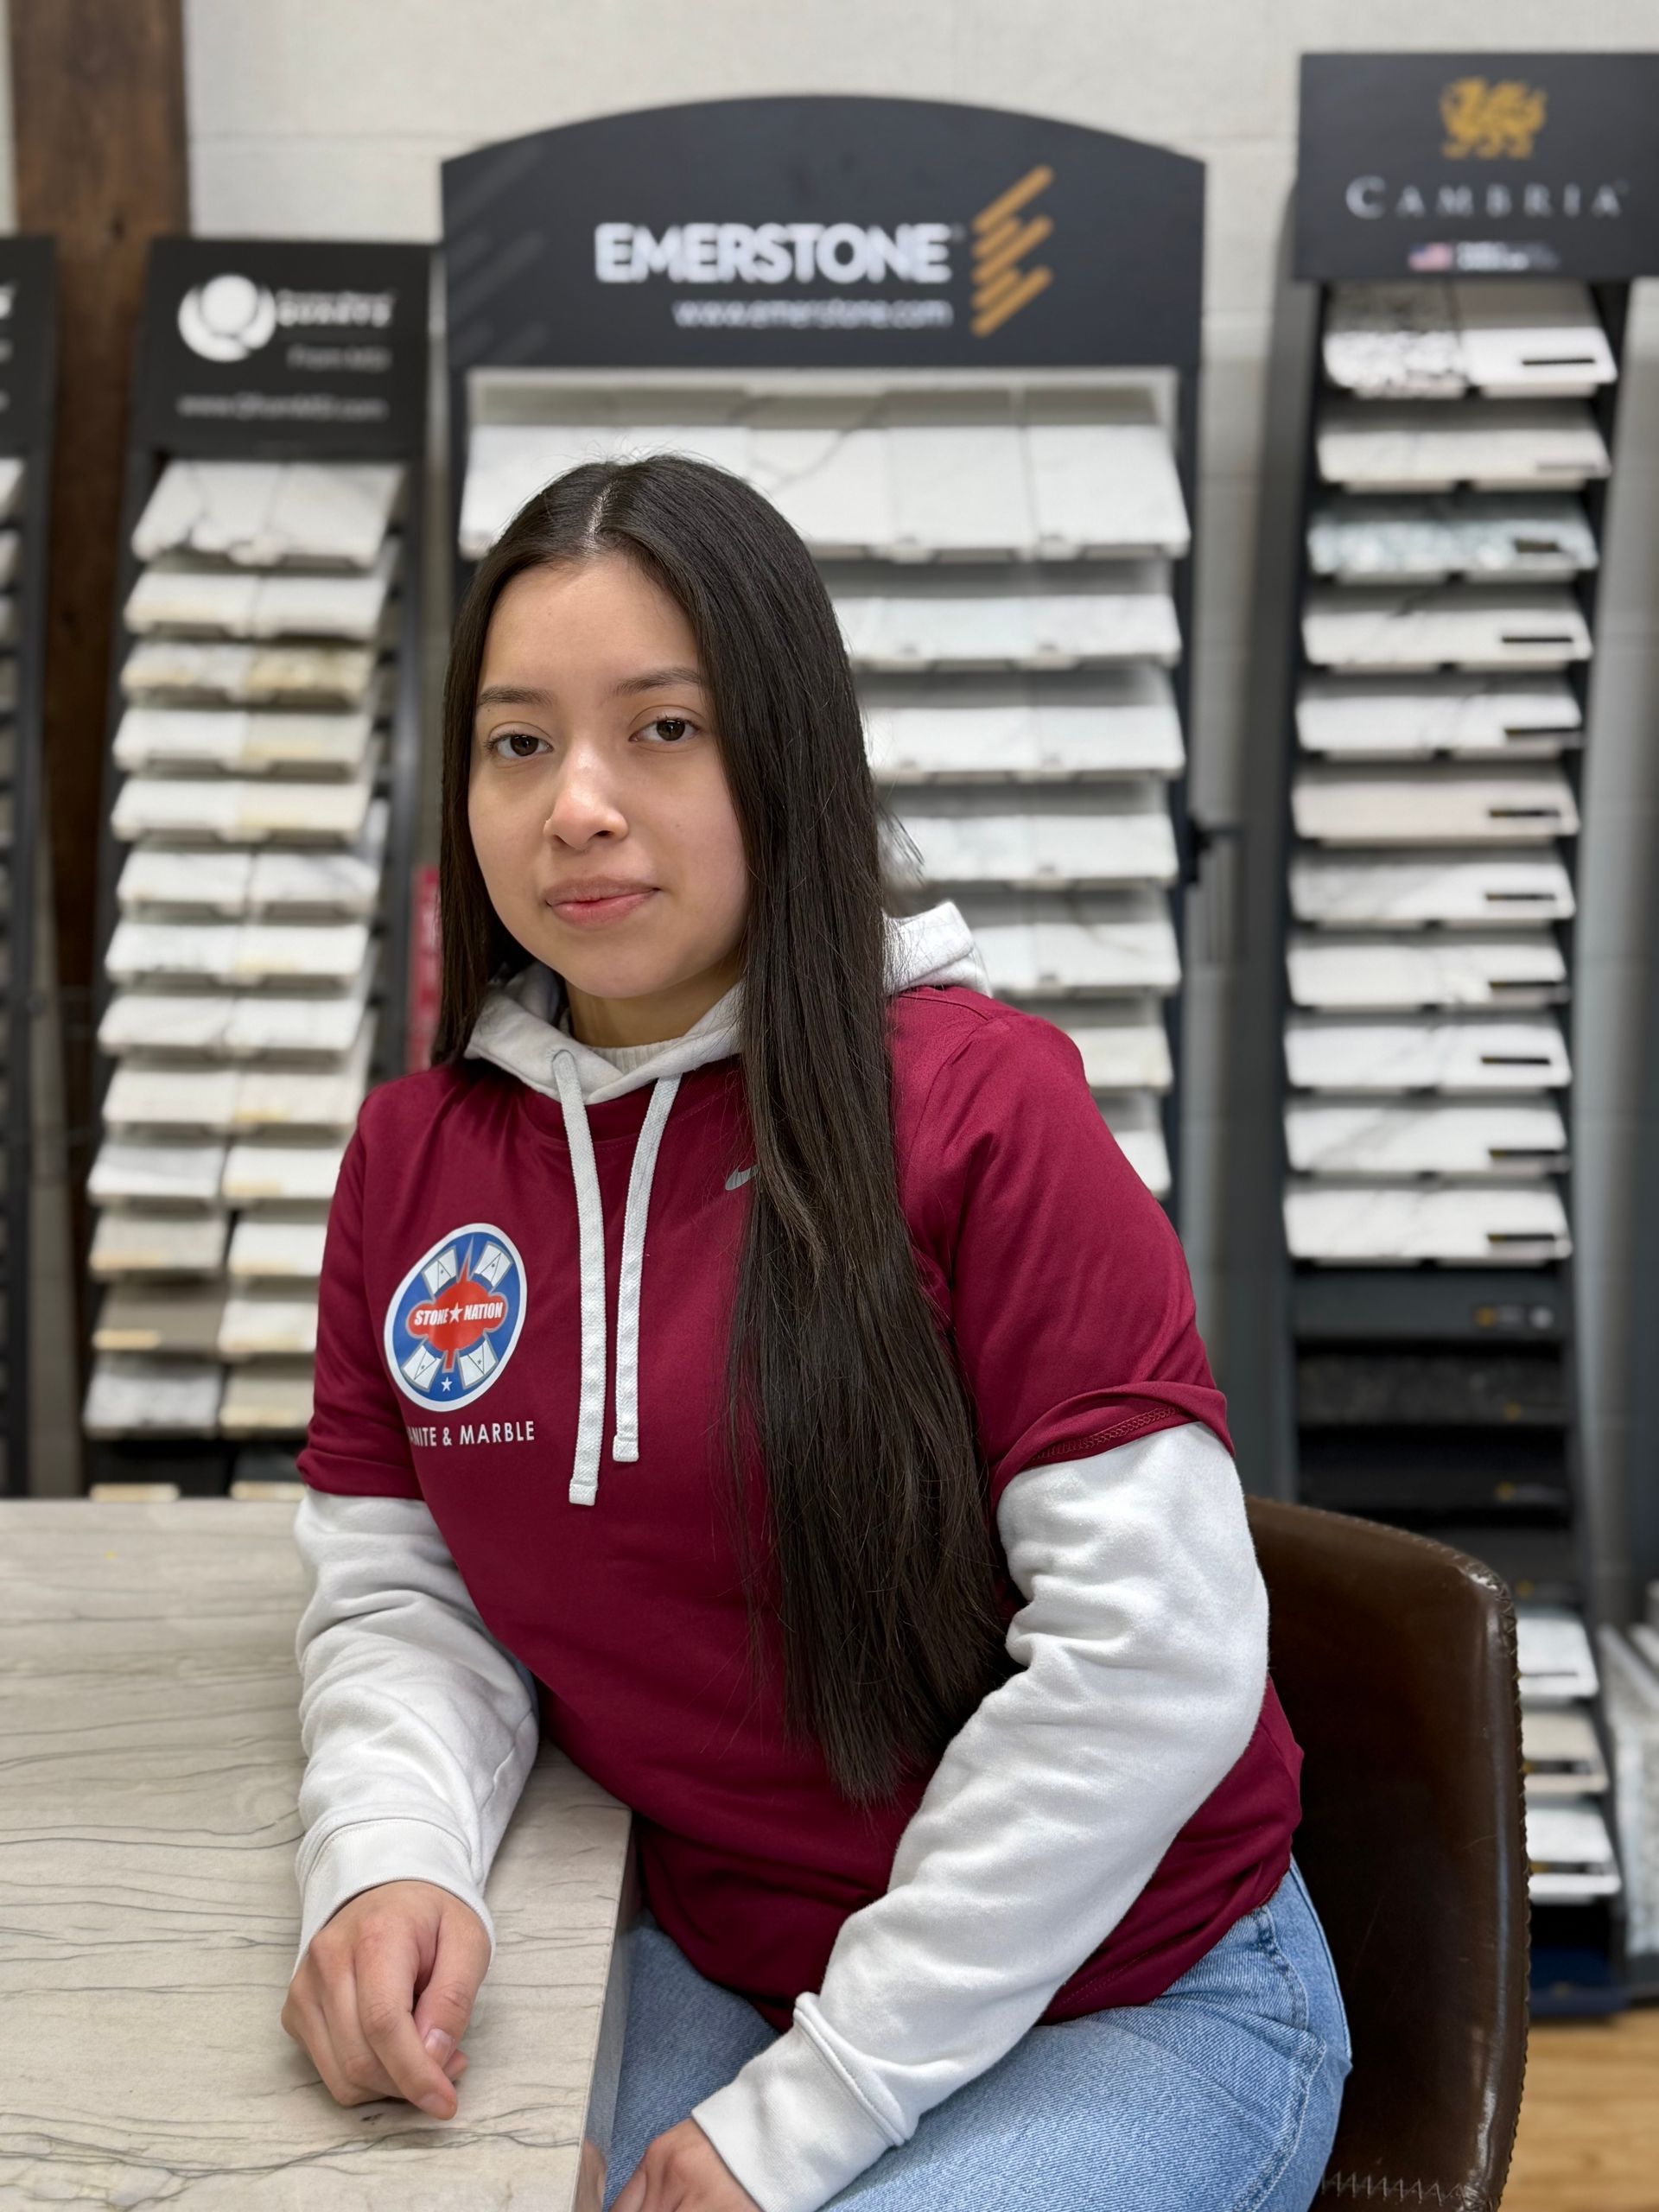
x,y
396,1964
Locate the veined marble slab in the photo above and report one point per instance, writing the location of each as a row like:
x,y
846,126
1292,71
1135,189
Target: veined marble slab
x,y
1119,834
1389,805
132,1242
243,810
1361,972
1466,625
242,741
1554,1655
149,1656
135,1394
1509,1137
263,1173
1415,717
251,952
1433,445
1486,536
1424,1054
1075,945
187,597
189,670
1109,724
235,1101
270,514
264,1324
128,1171
265,1251
178,1320
1472,1225
1494,891
1570,1850
225,1026
1506,337
897,620
267,1396
1559,1753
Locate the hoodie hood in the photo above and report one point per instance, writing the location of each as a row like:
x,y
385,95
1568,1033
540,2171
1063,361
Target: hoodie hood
x,y
522,1028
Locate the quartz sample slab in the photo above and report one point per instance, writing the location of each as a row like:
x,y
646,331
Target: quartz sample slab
x,y
1375,1225
267,1396
185,597
243,742
1553,1655
226,952
258,1173
149,1656
135,1394
1505,337
130,1241
8,558
1389,805
224,1025
1356,973
276,1251
231,1100
1075,945
184,881
1560,1755
1416,717
177,1320
1109,724
1466,625
1121,833
11,486
1482,534
264,1324
1424,1054
243,810
1432,445
1336,1137
1495,891
900,619
887,475
1570,1850
128,1170
269,514
192,669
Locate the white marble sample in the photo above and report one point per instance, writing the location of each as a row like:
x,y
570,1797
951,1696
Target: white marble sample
x,y
11,486
242,742
1431,969
194,669
1424,1053
1416,717
147,1098
184,880
1120,722
1138,1125
134,1394
236,809
226,1026
148,1655
889,475
187,597
1389,805
269,514
1560,1753
266,1397
274,1250
257,1324
1508,1137
1554,1653
1119,834
131,1242
1124,1047
1464,625
1493,891
179,1321
1075,945
249,952
1378,1224
1570,1850
257,1174
229,1100
1359,538
130,1170
1505,337
900,619
1432,445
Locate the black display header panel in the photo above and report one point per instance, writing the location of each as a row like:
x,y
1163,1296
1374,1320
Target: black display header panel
x,y
828,232
314,343
1477,164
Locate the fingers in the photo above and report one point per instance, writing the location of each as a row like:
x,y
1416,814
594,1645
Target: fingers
x,y
387,1965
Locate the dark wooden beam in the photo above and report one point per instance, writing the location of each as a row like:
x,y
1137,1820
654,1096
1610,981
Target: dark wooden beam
x,y
98,116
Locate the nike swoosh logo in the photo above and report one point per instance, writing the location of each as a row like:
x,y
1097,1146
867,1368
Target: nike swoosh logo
x,y
738,1177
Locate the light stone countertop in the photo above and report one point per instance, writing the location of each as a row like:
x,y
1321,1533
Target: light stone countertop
x,y
149,1766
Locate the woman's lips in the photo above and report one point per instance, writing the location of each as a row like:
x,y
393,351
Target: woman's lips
x,y
592,913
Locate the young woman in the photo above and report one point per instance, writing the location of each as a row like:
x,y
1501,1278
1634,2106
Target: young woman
x,y
746,1355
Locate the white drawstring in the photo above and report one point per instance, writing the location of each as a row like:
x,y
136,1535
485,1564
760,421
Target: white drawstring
x,y
625,1444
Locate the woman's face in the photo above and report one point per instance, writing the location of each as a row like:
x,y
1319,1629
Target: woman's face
x,y
596,768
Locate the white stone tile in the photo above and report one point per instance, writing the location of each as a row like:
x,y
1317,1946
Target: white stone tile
x,y
242,741
263,1251
185,596
266,1397
1506,338
267,514
263,1324
1055,945
132,1394
177,1320
1372,1224
1419,716
263,1173
1393,1137
131,1241
242,810
128,1170
193,669
1493,892
898,619
1424,1053
145,1098
1440,805
1432,445
1122,834
1466,625
1110,722
1485,536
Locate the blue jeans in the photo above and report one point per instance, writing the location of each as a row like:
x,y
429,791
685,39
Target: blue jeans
x,y
1221,2096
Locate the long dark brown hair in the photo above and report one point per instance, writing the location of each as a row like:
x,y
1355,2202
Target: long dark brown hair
x,y
840,1376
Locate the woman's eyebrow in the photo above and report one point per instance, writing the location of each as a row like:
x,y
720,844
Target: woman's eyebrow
x,y
510,695
654,679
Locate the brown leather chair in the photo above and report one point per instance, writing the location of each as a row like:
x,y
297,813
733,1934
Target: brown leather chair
x,y
1394,1660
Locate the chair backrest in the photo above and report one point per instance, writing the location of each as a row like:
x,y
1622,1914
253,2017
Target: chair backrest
x,y
1394,1659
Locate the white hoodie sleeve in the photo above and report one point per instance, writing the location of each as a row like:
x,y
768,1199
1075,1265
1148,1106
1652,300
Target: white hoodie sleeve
x,y
419,1729
1143,1651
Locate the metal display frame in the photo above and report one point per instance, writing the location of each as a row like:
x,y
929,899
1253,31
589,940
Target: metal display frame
x,y
27,382
1369,122
1124,290
257,405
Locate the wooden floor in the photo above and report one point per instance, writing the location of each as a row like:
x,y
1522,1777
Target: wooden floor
x,y
1589,2137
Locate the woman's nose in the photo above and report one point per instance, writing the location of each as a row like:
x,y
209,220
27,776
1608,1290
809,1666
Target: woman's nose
x,y
582,801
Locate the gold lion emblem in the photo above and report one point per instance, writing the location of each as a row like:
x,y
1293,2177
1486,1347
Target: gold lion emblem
x,y
1490,121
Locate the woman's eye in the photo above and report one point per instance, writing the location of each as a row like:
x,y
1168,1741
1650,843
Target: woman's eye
x,y
672,727
522,744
